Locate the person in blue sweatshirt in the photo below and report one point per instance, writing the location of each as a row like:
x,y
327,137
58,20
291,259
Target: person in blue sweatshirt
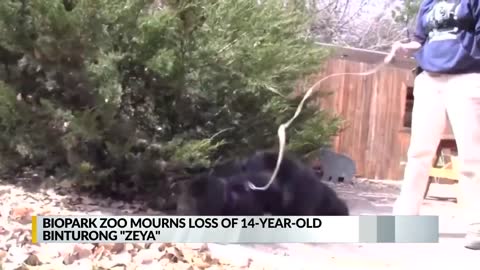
x,y
446,43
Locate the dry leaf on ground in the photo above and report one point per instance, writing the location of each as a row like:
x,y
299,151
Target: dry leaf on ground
x,y
18,253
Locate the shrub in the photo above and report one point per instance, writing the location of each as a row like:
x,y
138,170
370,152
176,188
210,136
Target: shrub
x,y
125,93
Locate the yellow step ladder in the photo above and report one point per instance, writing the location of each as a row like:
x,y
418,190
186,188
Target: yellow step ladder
x,y
449,170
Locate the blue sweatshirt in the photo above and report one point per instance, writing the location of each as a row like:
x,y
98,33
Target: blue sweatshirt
x,y
450,34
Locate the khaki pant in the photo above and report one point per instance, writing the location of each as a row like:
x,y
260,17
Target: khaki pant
x,y
435,97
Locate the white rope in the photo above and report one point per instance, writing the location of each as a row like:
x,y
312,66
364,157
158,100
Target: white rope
x,y
282,128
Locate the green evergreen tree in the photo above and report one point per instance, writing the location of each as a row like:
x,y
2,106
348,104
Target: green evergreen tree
x,y
123,91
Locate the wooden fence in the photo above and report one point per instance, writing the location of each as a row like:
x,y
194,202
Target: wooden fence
x,y
376,110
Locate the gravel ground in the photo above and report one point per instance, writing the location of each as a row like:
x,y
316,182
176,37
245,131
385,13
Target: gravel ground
x,y
377,197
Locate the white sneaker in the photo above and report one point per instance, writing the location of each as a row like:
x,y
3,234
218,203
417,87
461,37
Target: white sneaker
x,y
472,239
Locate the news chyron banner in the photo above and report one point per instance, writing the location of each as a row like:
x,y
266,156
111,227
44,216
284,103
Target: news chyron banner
x,y
235,229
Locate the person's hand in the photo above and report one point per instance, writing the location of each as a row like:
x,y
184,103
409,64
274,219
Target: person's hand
x,y
397,48
403,48
394,51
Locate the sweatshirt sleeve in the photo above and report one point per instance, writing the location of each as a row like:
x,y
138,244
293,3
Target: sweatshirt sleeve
x,y
475,8
420,35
